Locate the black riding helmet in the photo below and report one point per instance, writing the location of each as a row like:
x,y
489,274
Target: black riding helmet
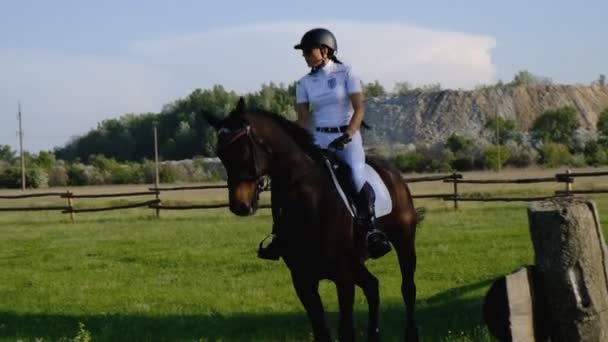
x,y
316,38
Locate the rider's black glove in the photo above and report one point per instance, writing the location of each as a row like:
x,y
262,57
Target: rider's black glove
x,y
339,143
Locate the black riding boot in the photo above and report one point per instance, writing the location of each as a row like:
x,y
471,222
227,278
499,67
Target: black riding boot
x,y
375,239
272,251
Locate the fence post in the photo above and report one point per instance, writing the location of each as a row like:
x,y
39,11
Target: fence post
x,y
454,177
570,269
70,205
157,203
568,183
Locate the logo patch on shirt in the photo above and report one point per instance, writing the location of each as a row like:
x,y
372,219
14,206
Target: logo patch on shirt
x,y
331,83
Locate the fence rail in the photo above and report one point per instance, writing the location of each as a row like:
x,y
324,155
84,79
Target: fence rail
x,y
454,196
506,181
44,194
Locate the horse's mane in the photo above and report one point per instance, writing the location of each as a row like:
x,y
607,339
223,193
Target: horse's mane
x,y
301,136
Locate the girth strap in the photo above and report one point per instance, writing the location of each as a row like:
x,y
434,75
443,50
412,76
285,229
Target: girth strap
x,y
338,187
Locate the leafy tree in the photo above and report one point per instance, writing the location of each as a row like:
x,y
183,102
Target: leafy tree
x,y
7,154
496,156
601,81
374,89
602,124
457,143
45,160
526,78
402,88
557,126
429,87
507,129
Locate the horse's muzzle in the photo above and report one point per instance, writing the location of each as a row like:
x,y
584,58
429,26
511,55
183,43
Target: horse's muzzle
x,y
244,199
242,209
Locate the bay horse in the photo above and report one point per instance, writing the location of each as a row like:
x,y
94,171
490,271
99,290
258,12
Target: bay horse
x,y
317,236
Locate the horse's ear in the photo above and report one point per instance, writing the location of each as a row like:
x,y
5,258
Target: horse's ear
x,y
240,106
214,120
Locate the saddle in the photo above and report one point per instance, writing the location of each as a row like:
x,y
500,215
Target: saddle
x,y
343,176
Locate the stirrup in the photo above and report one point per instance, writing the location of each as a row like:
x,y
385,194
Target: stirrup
x,y
271,251
377,243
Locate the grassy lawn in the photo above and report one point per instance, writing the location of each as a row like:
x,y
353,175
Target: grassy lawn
x,y
193,276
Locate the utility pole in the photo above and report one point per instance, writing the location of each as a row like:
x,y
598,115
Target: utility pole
x,y
498,143
156,178
20,133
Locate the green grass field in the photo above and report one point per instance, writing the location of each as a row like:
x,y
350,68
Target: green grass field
x,y
193,276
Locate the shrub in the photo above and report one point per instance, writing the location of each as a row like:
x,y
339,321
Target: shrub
x,y
463,164
578,160
522,157
421,160
36,178
58,175
148,172
407,162
457,143
10,178
167,173
77,174
496,156
595,153
554,154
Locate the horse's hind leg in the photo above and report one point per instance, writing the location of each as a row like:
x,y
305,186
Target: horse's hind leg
x,y
369,284
406,252
307,290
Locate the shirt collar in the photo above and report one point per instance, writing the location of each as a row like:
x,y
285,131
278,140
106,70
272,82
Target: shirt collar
x,y
325,69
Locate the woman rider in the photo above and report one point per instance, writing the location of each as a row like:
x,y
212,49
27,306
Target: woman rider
x,y
330,104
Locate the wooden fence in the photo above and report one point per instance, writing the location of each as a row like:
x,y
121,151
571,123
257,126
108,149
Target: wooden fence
x,y
454,196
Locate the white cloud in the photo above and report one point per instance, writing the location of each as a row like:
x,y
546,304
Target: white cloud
x,y
64,94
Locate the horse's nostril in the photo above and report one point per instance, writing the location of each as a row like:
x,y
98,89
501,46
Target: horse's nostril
x,y
240,209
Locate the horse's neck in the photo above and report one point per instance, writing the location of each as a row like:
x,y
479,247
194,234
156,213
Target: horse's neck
x,y
290,162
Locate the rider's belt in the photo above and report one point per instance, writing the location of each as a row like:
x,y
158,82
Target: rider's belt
x,y
340,129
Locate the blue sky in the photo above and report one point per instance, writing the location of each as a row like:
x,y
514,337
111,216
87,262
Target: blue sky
x,y
73,64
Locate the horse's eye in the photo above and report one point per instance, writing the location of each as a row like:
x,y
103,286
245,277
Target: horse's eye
x,y
223,133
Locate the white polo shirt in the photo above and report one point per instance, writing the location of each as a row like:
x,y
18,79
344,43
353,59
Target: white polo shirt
x,y
327,91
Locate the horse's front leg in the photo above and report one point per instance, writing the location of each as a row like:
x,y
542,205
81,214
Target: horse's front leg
x,y
307,289
345,285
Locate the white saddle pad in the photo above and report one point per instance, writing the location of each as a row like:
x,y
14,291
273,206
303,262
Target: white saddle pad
x,y
384,203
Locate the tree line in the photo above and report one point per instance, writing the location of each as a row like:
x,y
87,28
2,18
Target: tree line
x,y
119,151
555,139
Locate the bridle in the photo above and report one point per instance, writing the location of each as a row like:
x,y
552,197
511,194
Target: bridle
x,y
255,172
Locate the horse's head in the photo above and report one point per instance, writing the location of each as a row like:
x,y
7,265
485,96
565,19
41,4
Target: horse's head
x,y
244,158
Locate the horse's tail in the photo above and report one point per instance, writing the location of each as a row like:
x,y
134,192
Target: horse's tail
x,y
420,214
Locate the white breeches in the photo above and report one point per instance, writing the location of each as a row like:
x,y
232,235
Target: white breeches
x,y
352,154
